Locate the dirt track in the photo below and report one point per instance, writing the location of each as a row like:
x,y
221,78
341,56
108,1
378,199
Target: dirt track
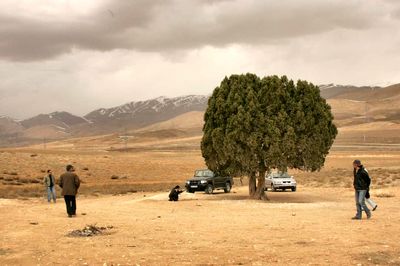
x,y
311,226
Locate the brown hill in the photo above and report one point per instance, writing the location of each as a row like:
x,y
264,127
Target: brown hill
x,y
331,91
360,93
63,120
9,126
47,132
188,121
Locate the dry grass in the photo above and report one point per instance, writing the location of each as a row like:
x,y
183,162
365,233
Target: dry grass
x,y
384,194
152,164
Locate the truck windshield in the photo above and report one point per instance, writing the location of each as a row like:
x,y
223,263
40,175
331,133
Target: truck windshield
x,y
204,173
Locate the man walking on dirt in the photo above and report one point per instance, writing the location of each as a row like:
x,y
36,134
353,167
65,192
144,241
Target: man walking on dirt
x,y
361,186
69,182
49,182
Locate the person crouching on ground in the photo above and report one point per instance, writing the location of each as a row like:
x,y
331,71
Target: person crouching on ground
x,y
174,194
361,186
49,182
69,182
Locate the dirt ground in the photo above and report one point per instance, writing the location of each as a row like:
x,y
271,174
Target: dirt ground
x,y
308,227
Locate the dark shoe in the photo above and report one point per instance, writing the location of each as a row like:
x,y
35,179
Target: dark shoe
x,y
375,208
69,215
356,218
369,216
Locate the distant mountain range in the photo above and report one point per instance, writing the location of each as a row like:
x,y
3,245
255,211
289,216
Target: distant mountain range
x,y
130,116
349,104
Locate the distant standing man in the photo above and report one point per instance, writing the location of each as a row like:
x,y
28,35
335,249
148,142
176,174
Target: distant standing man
x,y
361,186
69,182
49,182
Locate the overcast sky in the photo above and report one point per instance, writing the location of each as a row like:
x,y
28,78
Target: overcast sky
x,y
78,56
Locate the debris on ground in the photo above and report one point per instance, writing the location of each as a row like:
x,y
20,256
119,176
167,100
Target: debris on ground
x,y
90,230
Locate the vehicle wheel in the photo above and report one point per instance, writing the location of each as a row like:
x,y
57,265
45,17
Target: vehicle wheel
x,y
266,189
227,188
209,189
273,188
190,191
293,189
284,189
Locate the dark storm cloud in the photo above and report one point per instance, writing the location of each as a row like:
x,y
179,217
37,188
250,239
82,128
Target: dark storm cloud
x,y
161,26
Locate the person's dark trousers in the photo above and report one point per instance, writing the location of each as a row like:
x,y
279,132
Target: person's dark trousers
x,y
70,201
173,198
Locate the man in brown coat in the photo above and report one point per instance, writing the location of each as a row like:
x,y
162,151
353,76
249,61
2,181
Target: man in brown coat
x,y
69,182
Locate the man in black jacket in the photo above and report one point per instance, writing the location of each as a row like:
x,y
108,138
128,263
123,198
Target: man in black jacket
x,y
361,186
174,194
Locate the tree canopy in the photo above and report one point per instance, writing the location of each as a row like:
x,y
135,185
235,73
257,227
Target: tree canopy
x,y
254,125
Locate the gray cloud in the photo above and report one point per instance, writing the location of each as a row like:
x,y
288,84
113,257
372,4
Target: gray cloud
x,y
159,26
77,56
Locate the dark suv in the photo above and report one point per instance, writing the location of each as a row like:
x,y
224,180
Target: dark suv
x,y
207,181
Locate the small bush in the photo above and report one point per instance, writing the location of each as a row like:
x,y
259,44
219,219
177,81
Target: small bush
x,y
385,194
15,183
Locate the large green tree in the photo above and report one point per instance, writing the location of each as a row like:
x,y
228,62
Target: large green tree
x,y
254,125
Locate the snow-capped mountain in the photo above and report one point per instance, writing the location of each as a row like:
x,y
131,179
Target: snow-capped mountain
x,y
62,120
141,113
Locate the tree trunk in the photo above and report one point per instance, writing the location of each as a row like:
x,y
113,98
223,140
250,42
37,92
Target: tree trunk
x,y
252,184
260,192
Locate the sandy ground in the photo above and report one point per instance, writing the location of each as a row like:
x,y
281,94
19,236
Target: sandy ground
x,y
308,227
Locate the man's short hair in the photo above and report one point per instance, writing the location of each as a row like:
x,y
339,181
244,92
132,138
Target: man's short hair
x,y
69,167
357,162
48,171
